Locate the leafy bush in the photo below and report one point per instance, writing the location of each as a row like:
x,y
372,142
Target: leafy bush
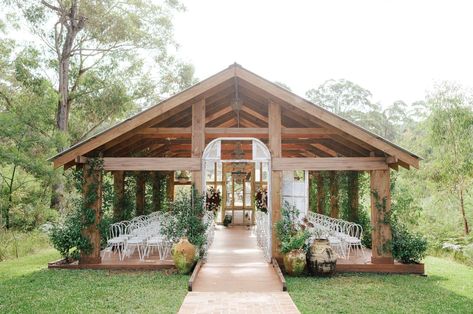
x,y
66,236
289,232
185,219
408,247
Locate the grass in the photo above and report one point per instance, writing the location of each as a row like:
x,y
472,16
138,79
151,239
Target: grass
x,y
26,286
448,288
14,244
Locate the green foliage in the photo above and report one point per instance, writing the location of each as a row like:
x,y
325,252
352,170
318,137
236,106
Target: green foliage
x,y
66,236
408,247
185,218
16,244
289,232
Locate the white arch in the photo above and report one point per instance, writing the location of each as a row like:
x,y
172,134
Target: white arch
x,y
212,152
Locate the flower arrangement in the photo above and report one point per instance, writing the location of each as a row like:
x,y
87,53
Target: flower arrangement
x,y
213,199
261,199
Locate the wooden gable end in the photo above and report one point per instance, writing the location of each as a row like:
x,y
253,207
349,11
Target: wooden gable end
x,y
308,130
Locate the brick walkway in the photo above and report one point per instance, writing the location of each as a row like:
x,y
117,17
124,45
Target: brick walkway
x,y
237,279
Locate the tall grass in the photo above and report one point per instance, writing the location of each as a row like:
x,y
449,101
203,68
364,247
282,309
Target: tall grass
x,y
15,244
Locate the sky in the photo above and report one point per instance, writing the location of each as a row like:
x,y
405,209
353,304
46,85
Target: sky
x,y
396,49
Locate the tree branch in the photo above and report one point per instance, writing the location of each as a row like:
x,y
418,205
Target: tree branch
x,y
52,7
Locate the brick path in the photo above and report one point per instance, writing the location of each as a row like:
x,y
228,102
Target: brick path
x,y
237,279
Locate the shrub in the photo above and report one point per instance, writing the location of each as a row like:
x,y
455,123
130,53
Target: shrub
x,y
185,219
408,247
66,236
289,232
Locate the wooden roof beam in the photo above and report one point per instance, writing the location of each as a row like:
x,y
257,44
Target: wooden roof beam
x,y
335,164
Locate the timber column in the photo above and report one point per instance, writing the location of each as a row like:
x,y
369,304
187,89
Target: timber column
x,y
380,217
119,195
140,193
198,140
274,128
92,193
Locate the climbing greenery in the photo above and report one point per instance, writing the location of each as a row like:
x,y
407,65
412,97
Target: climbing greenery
x,y
67,235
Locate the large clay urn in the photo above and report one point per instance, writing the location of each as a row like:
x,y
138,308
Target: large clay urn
x,y
294,262
321,259
183,255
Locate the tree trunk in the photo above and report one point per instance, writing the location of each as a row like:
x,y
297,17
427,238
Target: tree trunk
x,y
353,195
462,207
320,192
140,194
334,209
10,199
73,23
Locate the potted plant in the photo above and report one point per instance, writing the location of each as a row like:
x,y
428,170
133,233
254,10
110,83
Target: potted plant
x,y
227,220
293,240
185,227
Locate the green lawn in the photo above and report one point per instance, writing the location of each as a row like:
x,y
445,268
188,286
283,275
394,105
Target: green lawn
x,y
447,289
26,286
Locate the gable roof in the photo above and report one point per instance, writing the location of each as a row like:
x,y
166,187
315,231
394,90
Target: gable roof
x,y
146,117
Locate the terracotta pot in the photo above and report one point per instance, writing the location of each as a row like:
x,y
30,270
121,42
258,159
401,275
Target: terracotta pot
x,y
294,262
183,255
321,259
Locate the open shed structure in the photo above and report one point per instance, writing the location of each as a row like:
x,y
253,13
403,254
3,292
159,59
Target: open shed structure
x,y
237,123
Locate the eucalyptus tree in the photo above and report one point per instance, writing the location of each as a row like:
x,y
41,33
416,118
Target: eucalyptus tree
x,y
108,58
352,102
81,36
27,105
451,137
342,97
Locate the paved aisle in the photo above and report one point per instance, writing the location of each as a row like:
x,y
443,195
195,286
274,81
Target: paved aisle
x,y
237,279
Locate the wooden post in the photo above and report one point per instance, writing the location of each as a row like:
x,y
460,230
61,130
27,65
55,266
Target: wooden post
x,y
119,195
334,208
170,186
274,129
156,178
380,213
198,140
320,192
140,193
92,193
353,195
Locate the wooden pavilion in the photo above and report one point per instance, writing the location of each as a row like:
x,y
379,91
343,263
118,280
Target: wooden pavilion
x,y
237,109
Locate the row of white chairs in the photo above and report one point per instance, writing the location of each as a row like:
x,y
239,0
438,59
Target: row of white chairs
x,y
344,237
144,234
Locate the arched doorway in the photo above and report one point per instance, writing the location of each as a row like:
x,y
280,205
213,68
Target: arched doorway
x,y
239,168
